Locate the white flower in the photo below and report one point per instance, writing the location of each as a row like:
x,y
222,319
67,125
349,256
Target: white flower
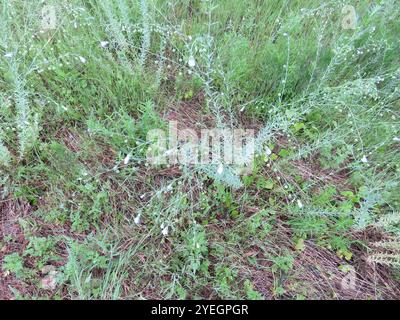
x,y
165,231
192,62
127,158
364,159
142,196
268,151
104,44
220,169
8,55
397,139
137,219
82,59
300,204
169,188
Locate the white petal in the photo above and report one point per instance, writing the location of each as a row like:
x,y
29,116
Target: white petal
x,y
364,159
165,231
220,169
104,44
268,151
137,219
300,204
127,158
83,60
192,62
8,55
397,139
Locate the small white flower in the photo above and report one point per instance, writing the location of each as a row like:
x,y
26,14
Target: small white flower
x,y
268,151
104,44
220,169
300,204
364,159
165,231
142,196
82,59
397,139
127,158
192,62
8,55
137,219
169,188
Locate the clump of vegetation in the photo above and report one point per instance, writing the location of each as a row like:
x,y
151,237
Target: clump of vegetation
x,y
84,215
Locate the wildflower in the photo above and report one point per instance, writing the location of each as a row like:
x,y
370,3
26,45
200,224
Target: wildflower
x,y
169,188
220,169
164,231
397,139
300,204
364,159
82,59
137,219
192,62
8,55
268,151
127,158
104,44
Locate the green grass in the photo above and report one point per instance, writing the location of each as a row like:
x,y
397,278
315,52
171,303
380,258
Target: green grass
x,y
76,100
